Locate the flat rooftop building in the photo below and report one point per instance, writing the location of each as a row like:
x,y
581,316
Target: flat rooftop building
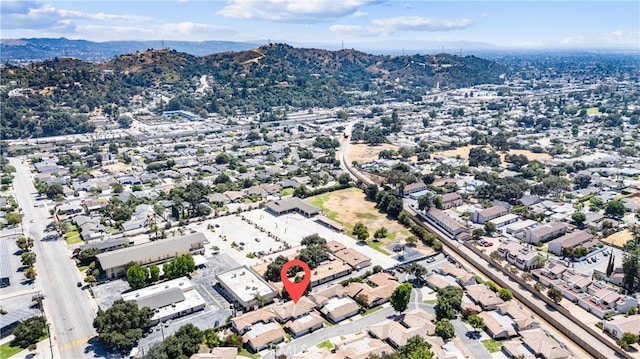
x,y
292,204
241,285
168,300
114,263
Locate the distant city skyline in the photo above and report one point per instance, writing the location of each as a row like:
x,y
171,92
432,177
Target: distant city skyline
x,y
356,23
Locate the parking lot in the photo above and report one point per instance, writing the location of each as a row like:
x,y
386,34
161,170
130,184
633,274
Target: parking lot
x,y
274,234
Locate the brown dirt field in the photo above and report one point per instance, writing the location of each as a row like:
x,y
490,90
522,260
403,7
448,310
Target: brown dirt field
x,y
619,238
349,206
364,153
463,152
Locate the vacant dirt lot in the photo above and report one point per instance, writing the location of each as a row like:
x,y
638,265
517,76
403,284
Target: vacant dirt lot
x,y
463,152
364,153
349,207
619,238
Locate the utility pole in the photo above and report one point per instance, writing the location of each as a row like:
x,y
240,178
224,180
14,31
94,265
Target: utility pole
x,y
39,299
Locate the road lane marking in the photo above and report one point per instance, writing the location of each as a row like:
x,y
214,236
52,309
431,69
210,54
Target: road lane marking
x,y
75,343
212,297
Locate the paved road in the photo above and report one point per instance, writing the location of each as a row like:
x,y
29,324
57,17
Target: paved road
x,y
345,328
67,307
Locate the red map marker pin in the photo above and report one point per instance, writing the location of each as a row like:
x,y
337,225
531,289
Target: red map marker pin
x,y
295,290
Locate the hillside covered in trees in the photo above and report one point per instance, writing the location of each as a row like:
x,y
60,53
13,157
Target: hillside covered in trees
x,y
55,97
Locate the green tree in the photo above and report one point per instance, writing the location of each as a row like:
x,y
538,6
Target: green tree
x,y
415,348
444,329
489,227
477,233
30,273
416,269
476,322
554,294
53,190
505,294
13,218
371,191
274,268
117,188
25,243
29,332
615,209
154,273
380,233
360,231
451,294
444,310
137,276
631,268
400,297
121,325
28,258
578,219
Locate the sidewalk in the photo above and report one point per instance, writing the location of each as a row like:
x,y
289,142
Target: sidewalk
x,y
42,350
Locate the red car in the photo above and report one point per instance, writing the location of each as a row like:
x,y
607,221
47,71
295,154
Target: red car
x,y
488,244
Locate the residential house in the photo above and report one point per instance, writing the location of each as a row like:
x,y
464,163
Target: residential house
x,y
377,288
361,347
334,303
244,322
481,295
414,187
328,271
504,220
304,324
522,319
498,326
488,214
463,277
353,258
451,200
545,232
442,220
518,255
571,240
261,335
620,325
395,333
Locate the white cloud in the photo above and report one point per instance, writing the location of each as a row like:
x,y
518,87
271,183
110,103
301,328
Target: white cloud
x,y
389,26
49,21
294,11
619,37
419,23
33,15
360,14
171,31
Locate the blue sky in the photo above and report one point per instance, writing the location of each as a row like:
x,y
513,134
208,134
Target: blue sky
x,y
379,23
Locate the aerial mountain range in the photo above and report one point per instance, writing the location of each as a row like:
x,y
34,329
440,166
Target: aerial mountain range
x,y
258,80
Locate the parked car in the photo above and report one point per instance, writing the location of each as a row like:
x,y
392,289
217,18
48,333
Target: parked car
x,y
488,244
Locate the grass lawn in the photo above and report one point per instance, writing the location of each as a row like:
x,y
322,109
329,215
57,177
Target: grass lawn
x,y
287,192
378,247
319,201
365,215
73,237
6,350
431,301
491,345
245,353
593,111
325,344
372,310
